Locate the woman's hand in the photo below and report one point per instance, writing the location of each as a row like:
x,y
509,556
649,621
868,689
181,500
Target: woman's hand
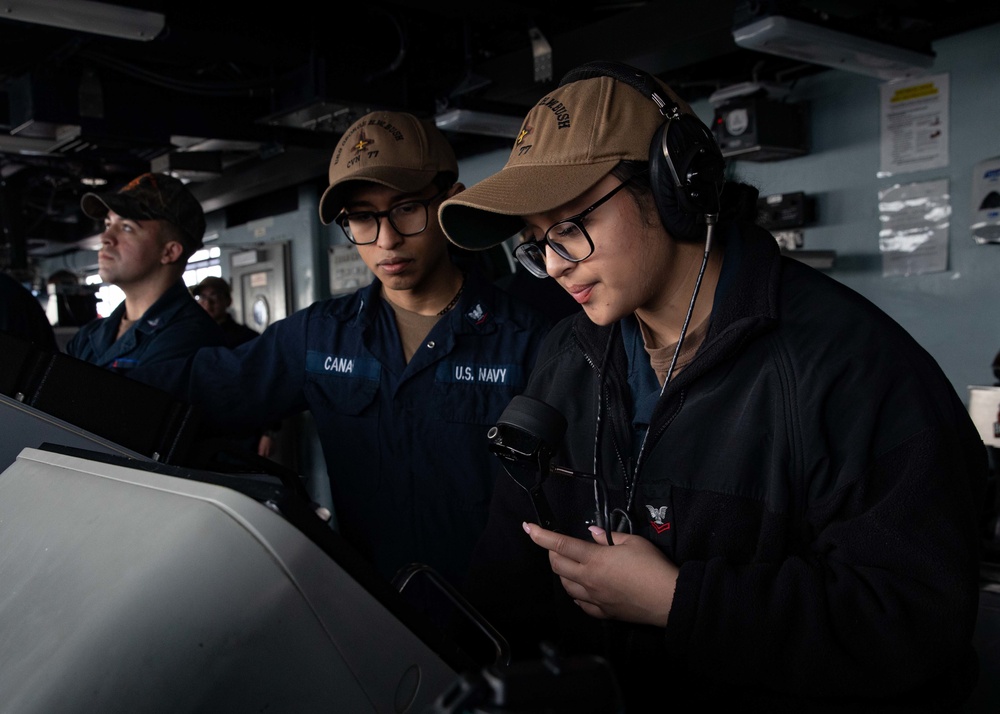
x,y
631,580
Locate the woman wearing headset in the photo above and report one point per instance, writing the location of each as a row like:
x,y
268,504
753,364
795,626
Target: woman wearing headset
x,y
767,494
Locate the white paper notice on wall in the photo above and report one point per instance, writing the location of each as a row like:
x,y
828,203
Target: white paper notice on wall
x,y
914,125
986,201
984,408
348,271
913,237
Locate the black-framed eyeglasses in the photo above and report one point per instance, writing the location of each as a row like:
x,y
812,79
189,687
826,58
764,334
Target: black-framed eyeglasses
x,y
568,238
407,219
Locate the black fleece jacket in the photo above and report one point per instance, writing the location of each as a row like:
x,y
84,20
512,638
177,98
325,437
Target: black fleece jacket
x,y
813,474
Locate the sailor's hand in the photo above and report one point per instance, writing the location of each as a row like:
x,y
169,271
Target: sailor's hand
x,y
631,580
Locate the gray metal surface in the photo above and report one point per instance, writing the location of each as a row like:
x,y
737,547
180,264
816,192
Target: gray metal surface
x,y
126,590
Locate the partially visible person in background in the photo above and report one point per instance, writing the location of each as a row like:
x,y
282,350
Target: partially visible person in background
x,y
216,297
71,304
23,316
151,227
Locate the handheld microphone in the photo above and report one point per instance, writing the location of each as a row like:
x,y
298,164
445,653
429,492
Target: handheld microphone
x,y
527,434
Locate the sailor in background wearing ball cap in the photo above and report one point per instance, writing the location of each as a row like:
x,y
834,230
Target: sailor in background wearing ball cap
x,y
403,377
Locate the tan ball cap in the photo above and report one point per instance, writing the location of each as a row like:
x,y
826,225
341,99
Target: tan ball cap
x,y
568,142
395,149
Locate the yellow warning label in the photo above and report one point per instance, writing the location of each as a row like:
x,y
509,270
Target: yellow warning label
x,y
918,91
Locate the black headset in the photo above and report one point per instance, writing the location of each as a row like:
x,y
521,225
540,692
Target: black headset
x,y
686,166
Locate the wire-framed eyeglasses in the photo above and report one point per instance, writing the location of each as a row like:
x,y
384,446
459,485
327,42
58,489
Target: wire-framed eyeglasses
x,y
407,219
568,238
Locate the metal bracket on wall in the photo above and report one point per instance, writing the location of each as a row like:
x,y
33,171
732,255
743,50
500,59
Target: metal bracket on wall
x,y
542,52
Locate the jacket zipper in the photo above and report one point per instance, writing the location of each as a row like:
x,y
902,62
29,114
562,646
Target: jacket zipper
x,y
604,407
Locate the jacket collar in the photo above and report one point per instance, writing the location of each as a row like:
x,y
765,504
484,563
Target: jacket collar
x,y
473,313
160,313
163,310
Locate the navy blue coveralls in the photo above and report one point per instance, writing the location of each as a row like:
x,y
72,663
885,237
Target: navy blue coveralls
x,y
174,326
405,444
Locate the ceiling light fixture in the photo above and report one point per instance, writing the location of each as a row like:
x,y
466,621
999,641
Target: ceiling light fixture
x,y
97,17
468,121
795,39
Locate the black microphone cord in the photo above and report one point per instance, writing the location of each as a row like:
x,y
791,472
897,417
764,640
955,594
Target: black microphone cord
x,y
710,221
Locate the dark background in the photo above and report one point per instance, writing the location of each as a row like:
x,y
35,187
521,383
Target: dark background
x,y
246,100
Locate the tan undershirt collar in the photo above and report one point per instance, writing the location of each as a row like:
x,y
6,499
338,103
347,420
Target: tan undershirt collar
x,y
659,357
412,327
124,325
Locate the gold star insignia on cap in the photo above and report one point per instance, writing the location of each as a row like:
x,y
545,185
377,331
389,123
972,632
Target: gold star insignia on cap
x,y
363,142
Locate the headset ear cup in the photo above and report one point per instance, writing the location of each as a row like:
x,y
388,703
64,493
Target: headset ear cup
x,y
691,156
699,163
680,223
